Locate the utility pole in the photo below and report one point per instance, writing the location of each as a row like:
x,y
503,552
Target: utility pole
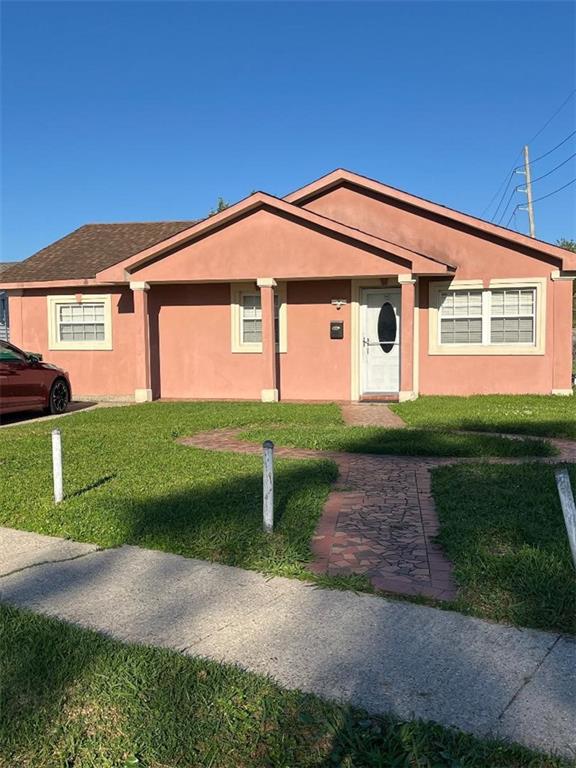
x,y
528,191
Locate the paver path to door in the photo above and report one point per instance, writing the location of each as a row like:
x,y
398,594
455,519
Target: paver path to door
x,y
384,656
380,519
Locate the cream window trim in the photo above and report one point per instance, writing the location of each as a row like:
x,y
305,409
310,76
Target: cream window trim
x,y
54,303
237,292
539,284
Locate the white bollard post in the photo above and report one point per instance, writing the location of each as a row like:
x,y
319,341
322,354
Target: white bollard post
x,y
268,486
57,465
568,507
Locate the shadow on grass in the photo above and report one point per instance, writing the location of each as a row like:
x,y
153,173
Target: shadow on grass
x,y
72,697
224,522
403,442
92,486
559,428
507,540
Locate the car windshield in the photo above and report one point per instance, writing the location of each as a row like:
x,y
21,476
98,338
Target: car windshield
x,y
8,353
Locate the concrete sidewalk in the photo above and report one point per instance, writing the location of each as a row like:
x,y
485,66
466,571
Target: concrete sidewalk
x,y
373,653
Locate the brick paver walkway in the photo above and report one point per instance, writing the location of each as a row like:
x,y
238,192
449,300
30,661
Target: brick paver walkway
x,y
371,415
380,519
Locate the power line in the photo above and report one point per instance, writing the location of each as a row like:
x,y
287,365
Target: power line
x,y
508,178
512,214
560,108
507,204
539,198
555,191
520,168
551,150
553,169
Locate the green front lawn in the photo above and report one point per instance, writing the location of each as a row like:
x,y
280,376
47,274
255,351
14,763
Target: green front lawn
x,y
70,697
127,480
502,527
403,442
521,414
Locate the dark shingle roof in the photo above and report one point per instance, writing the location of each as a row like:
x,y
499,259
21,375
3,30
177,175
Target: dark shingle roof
x,y
89,249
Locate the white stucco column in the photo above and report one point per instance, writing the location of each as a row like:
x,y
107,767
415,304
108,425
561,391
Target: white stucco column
x,y
143,390
408,295
269,393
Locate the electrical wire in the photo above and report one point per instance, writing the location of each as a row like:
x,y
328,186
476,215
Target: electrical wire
x,y
554,191
519,168
512,214
508,178
543,197
560,108
507,204
554,169
549,151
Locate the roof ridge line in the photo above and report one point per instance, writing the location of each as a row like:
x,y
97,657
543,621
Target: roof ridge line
x,y
447,208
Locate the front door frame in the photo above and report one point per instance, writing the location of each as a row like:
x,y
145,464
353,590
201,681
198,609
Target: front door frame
x,y
390,291
357,284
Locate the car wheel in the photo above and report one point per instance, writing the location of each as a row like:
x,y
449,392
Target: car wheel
x,y
59,397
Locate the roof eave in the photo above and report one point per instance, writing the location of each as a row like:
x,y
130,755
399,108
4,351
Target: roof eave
x,y
78,282
123,270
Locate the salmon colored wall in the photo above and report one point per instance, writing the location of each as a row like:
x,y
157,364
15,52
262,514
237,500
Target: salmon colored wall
x,y
562,334
190,345
267,245
498,374
316,367
99,372
476,259
190,324
190,339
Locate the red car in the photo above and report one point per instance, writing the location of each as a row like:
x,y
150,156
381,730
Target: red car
x,y
26,383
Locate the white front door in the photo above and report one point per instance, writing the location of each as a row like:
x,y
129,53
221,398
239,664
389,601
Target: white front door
x,y
380,340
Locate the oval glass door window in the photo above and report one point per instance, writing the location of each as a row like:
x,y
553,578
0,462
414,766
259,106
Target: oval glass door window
x,y
387,327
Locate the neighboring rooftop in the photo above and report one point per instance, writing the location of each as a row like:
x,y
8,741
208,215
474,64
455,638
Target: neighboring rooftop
x,y
89,249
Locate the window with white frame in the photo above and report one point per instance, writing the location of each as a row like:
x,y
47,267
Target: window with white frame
x,y
460,317
512,316
246,316
251,318
501,318
80,322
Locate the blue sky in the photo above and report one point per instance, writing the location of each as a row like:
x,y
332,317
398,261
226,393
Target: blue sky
x,y
120,111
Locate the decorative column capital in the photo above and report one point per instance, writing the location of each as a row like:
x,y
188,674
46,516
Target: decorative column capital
x,y
266,282
139,285
558,275
406,278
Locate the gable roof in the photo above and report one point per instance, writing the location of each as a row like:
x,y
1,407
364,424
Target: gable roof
x,y
93,250
420,262
342,177
90,249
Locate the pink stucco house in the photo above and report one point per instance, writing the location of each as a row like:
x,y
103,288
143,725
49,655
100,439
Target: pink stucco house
x,y
346,289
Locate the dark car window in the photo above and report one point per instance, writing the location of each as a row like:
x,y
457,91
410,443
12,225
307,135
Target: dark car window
x,y
9,355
